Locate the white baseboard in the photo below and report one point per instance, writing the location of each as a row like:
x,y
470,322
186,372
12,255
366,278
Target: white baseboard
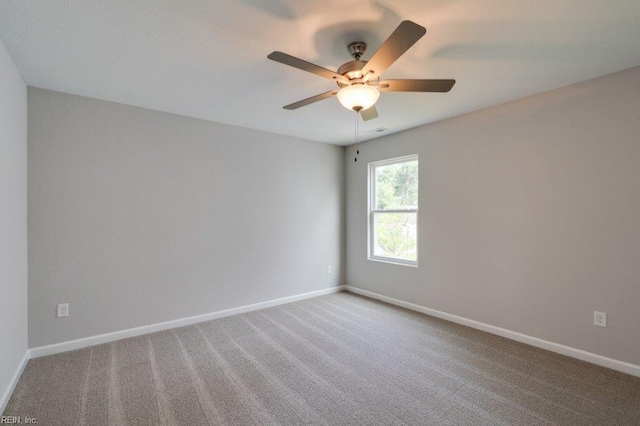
x,y
146,329
603,361
14,381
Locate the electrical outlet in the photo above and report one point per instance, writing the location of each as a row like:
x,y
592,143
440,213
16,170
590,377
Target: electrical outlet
x,y
599,319
63,310
329,269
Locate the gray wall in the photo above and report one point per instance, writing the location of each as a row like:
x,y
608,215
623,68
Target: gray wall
x,y
13,218
138,217
529,216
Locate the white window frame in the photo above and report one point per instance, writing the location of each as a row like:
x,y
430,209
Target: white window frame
x,y
373,210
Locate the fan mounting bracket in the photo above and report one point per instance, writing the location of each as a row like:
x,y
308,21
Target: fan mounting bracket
x,y
357,49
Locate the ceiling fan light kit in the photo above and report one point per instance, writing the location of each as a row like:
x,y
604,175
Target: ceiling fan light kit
x,y
359,80
358,97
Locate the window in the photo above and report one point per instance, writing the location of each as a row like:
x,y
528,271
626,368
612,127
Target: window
x,y
393,210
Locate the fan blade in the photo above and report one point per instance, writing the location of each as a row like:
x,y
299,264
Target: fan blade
x,y
311,100
369,113
292,61
405,36
416,85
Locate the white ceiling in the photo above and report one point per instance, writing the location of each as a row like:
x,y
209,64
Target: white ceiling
x,y
208,59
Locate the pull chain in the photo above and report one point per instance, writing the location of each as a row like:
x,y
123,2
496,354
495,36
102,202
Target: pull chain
x,y
357,129
357,136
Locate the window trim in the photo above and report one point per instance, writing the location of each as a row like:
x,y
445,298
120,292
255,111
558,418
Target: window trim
x,y
372,210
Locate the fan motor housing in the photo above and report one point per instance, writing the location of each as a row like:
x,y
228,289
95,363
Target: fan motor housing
x,y
352,70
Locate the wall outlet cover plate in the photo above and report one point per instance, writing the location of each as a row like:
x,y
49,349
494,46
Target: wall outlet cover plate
x,y
599,319
63,310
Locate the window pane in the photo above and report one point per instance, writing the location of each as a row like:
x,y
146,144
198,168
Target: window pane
x,y
396,186
395,235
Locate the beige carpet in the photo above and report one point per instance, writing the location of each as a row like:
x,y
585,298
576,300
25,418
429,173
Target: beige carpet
x,y
339,359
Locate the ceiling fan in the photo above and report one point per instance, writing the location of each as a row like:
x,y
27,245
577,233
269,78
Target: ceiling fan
x,y
359,80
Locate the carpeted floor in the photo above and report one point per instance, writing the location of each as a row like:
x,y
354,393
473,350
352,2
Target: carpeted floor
x,y
339,359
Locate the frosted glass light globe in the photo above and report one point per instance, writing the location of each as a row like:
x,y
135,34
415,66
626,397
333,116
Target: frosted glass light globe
x,y
358,97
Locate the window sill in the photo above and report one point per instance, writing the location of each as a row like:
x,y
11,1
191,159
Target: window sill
x,y
393,261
